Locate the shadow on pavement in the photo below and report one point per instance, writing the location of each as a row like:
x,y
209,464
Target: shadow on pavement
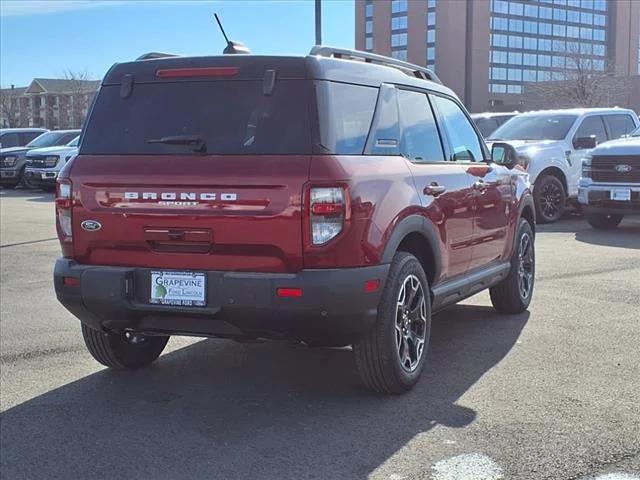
x,y
218,409
626,235
31,195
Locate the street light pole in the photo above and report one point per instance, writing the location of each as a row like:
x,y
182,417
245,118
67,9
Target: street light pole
x,y
318,22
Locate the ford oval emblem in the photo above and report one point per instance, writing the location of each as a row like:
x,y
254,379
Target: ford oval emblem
x,y
91,225
623,168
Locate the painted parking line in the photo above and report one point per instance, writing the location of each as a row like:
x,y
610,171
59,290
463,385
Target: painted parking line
x,y
469,466
617,476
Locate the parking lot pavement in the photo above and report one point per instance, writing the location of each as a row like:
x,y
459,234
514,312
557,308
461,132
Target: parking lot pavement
x,y
549,394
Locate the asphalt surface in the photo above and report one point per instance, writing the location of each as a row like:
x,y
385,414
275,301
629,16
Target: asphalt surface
x,y
550,394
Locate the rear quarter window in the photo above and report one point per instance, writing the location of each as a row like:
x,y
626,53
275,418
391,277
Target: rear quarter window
x,y
231,117
345,113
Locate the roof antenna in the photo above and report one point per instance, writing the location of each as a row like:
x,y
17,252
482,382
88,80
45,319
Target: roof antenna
x,y
232,47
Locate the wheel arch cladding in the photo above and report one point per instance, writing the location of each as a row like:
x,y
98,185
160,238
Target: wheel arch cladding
x,y
418,236
528,213
555,172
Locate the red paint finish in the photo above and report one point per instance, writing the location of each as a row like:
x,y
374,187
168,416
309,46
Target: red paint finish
x,y
247,210
252,213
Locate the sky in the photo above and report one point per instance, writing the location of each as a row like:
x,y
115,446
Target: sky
x,y
45,38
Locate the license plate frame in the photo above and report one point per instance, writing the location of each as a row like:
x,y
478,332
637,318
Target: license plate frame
x,y
178,288
620,194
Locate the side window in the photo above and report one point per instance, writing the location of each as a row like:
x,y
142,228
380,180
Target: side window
x,y
385,131
345,113
487,126
10,140
420,140
619,125
592,126
28,136
464,141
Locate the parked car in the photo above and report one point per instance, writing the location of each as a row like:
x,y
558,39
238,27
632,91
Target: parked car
x,y
610,184
17,137
336,198
551,145
13,162
489,122
44,164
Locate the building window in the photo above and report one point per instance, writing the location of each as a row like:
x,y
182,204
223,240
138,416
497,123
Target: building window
x,y
431,3
398,6
514,89
368,27
499,40
560,14
431,19
544,44
368,43
399,55
498,88
515,58
368,10
530,43
559,30
399,40
531,11
598,34
516,9
431,36
399,23
431,54
515,74
515,42
531,27
498,56
499,6
498,73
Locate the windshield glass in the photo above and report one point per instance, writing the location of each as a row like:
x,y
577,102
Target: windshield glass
x,y
535,127
74,142
213,117
48,139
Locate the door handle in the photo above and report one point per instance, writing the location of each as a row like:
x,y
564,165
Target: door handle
x,y
480,186
434,189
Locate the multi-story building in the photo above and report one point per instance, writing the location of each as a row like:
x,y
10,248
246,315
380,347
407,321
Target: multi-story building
x,y
48,103
489,51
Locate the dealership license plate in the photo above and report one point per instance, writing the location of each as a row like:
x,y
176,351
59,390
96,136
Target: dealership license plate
x,y
621,194
185,289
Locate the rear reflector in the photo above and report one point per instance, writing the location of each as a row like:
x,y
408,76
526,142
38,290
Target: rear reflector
x,y
289,292
371,285
326,208
197,72
71,281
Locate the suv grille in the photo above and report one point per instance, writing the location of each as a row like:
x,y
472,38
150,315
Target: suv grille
x,y
35,161
603,168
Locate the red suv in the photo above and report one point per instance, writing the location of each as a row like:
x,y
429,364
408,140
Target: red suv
x,y
338,198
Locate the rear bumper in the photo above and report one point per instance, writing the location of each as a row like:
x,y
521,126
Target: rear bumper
x,y
334,305
596,198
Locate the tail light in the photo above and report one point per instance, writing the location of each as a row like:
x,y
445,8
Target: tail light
x,y
64,202
327,210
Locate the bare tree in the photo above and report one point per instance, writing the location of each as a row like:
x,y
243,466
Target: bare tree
x,y
80,95
584,82
9,108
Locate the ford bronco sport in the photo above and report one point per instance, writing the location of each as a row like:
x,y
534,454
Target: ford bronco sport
x,y
338,198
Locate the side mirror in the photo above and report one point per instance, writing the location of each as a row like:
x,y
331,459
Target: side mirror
x,y
504,154
585,143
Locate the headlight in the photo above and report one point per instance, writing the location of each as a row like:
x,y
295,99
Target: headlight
x,y
586,167
51,161
9,161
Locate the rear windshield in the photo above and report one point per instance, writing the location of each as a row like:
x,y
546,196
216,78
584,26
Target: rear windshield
x,y
227,117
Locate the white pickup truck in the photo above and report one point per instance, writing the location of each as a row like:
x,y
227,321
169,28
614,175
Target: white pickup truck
x,y
551,145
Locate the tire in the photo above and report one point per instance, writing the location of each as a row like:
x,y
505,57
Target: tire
x,y
379,354
510,295
550,199
603,221
122,351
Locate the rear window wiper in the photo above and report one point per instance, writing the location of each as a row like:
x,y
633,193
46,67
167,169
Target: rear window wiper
x,y
195,141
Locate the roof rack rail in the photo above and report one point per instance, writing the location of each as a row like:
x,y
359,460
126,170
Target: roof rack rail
x,y
406,67
152,55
